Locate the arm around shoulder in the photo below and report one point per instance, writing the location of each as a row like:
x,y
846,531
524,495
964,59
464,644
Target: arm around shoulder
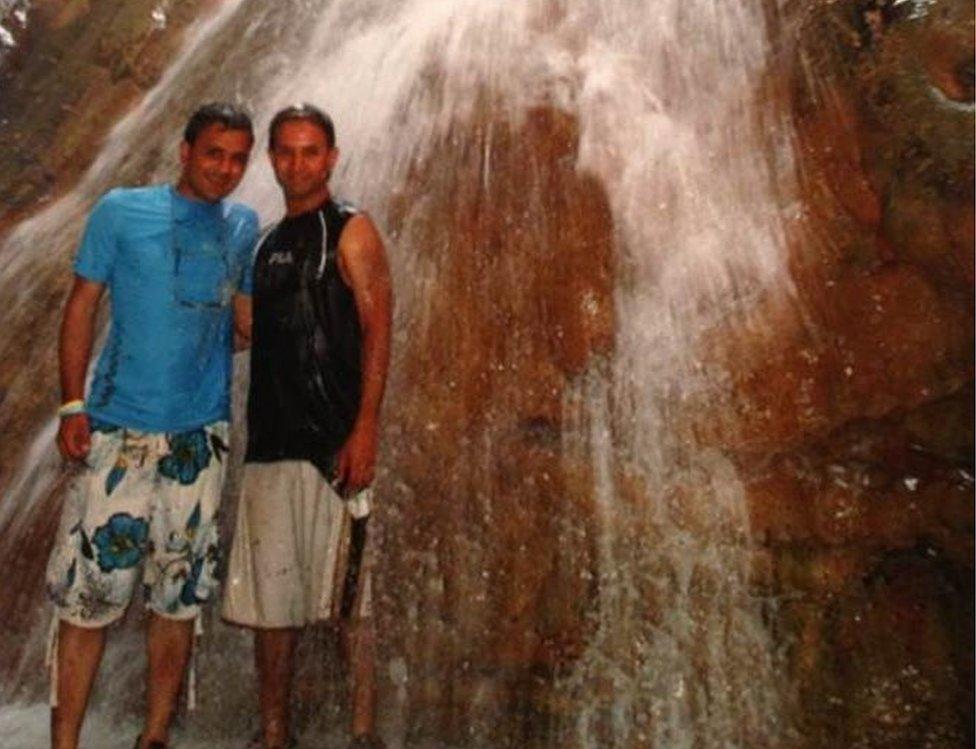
x,y
247,232
243,321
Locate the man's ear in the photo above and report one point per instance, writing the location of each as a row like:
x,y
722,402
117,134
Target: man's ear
x,y
184,152
333,158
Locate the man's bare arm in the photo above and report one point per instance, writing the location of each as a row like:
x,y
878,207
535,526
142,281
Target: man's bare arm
x,y
363,265
74,353
243,320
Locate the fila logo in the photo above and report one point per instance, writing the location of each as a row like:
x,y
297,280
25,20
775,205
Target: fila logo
x,y
280,258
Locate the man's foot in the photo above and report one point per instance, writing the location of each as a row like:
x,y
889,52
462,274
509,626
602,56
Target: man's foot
x,y
150,745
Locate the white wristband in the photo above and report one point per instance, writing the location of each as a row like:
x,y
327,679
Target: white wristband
x,y
71,408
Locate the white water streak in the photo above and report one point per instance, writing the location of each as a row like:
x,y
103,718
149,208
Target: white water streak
x,y
669,126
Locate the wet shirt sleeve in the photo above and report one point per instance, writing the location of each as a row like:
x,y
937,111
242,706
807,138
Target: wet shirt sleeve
x,y
99,245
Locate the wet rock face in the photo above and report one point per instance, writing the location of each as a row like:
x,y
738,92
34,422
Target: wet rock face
x,y
856,429
76,69
891,665
483,502
915,103
882,238
850,413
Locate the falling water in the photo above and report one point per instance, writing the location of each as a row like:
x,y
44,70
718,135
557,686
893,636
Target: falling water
x,y
13,18
681,650
665,96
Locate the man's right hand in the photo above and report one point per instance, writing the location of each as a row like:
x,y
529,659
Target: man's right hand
x,y
74,350
74,436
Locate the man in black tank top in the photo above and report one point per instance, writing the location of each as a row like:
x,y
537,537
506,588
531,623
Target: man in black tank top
x,y
306,357
319,330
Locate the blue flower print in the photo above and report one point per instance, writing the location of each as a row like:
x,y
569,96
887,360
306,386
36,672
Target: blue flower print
x,y
121,542
188,593
114,477
189,455
192,591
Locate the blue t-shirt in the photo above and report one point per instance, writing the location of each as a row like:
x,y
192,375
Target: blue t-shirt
x,y
171,266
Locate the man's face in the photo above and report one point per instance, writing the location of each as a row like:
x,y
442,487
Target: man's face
x,y
301,158
214,164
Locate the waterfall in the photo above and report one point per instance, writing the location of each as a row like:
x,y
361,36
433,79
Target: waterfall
x,y
681,652
666,100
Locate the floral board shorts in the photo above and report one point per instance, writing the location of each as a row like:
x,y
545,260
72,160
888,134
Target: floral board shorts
x,y
145,502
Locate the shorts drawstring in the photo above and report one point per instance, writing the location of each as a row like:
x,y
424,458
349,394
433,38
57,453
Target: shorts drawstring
x,y
191,679
51,658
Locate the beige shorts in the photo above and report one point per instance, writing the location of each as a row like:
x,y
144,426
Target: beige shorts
x,y
299,551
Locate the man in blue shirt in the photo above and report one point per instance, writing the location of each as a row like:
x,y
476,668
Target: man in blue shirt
x,y
152,431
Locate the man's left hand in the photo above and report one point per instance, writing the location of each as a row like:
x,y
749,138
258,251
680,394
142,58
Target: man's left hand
x,y
356,461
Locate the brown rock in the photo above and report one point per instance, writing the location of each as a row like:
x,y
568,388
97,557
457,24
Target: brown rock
x,y
518,247
84,65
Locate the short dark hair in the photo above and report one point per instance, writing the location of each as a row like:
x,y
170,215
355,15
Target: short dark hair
x,y
303,111
230,116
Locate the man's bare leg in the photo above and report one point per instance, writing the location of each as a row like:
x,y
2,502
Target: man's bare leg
x,y
79,653
274,654
169,642
359,643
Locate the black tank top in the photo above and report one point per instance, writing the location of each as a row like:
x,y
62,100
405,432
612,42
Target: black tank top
x,y
306,343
